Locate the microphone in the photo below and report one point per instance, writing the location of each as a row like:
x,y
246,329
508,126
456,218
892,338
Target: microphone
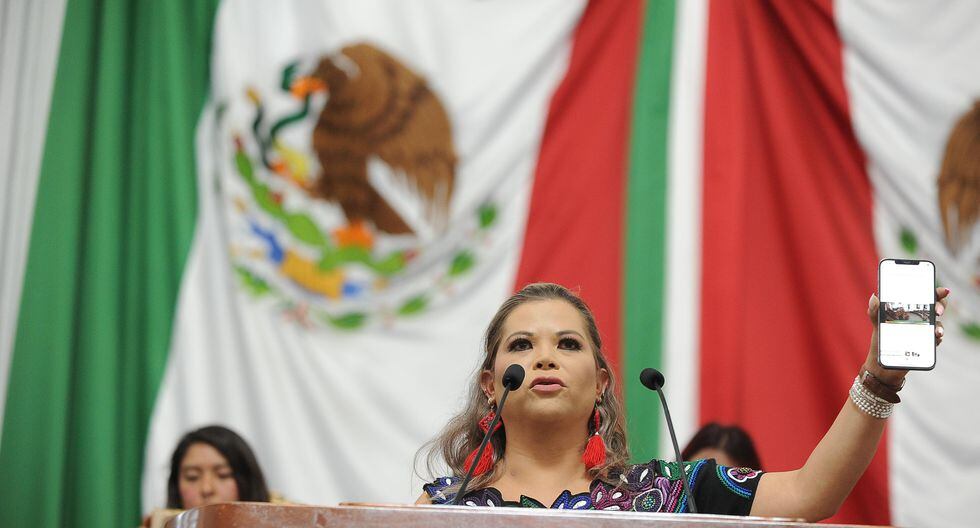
x,y
653,379
513,377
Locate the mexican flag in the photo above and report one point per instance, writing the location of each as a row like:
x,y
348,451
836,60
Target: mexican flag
x,y
296,219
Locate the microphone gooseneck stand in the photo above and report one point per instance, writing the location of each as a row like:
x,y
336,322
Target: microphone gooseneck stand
x,y
653,379
513,378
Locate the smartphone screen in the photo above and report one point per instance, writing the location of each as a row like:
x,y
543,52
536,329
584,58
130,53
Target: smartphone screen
x,y
907,314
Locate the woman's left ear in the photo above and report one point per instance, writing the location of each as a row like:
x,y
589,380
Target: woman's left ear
x,y
602,381
486,382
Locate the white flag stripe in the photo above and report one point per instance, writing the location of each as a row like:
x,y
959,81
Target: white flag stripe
x,y
338,415
30,37
683,270
910,73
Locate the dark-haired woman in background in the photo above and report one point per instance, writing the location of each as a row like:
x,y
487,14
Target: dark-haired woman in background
x,y
728,445
213,464
210,465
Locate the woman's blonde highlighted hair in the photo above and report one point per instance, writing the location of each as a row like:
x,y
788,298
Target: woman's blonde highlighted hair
x,y
462,434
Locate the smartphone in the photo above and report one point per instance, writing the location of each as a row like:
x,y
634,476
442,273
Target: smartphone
x,y
907,314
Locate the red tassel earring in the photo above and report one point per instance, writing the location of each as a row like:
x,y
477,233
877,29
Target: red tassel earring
x,y
486,458
595,449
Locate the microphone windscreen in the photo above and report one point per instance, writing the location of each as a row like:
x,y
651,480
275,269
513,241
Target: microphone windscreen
x,y
652,378
513,376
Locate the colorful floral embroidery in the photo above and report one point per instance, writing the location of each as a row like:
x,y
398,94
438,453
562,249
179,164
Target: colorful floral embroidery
x,y
652,487
528,502
640,476
435,489
484,497
650,501
741,474
692,469
606,497
731,480
673,491
567,501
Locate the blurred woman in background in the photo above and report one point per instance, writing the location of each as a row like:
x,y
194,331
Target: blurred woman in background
x,y
213,464
729,445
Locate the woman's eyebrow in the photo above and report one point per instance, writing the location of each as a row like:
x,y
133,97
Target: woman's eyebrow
x,y
201,468
567,332
523,333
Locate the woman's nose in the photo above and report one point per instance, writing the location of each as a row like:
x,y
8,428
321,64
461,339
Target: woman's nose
x,y
207,485
545,365
545,360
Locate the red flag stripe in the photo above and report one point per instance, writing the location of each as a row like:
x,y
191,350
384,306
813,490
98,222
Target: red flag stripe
x,y
575,226
788,251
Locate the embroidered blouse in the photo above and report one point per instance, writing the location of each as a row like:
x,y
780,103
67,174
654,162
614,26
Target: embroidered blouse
x,y
651,487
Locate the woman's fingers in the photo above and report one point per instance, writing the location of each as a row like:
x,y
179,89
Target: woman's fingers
x,y
941,294
873,308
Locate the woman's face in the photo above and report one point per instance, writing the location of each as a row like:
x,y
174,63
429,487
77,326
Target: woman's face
x,y
206,477
562,382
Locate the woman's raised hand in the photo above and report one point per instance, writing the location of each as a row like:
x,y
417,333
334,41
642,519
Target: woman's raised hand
x,y
895,376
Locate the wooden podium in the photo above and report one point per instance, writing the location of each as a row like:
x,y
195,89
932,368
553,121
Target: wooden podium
x,y
262,515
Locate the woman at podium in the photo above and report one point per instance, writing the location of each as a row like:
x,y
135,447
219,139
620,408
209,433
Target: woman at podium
x,y
561,440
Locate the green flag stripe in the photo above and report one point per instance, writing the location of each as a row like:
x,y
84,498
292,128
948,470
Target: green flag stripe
x,y
646,226
112,227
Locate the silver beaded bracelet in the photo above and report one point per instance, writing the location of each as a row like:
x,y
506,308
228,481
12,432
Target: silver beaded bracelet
x,y
868,402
